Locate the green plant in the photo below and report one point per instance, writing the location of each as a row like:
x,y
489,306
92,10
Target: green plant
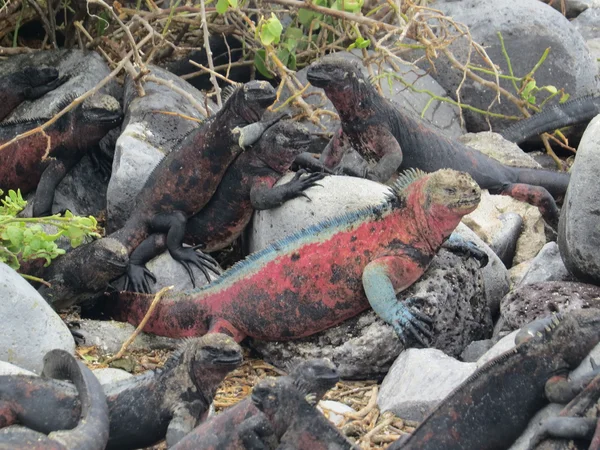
x,y
24,239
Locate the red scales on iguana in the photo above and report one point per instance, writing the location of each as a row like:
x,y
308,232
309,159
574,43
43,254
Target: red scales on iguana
x,y
394,139
325,274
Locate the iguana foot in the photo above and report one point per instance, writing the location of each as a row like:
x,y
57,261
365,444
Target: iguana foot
x,y
297,185
138,279
309,163
457,244
188,256
409,322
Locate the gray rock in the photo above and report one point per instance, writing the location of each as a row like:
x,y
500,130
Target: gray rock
x,y
569,64
475,350
588,24
363,347
502,346
442,115
585,367
551,410
495,146
574,8
109,336
110,375
83,190
419,380
536,300
148,135
10,369
169,272
546,266
30,327
578,231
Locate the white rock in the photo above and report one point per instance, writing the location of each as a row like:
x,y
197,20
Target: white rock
x,y
10,369
503,345
419,380
111,375
334,411
30,327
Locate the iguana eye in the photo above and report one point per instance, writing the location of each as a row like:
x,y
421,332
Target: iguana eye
x,y
450,191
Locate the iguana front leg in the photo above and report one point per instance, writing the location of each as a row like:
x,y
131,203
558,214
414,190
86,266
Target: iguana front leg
x,y
264,196
51,177
382,279
250,134
186,417
457,244
379,140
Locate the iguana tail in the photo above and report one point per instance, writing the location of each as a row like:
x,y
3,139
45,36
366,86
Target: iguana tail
x,y
555,182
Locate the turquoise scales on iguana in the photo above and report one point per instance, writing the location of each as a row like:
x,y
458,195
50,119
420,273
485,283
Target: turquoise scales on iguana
x,y
325,274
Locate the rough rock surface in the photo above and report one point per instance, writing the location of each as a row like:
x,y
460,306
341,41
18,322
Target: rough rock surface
x,y
536,300
365,347
442,115
495,146
169,272
147,136
10,369
546,266
419,380
573,8
30,327
568,66
475,350
578,230
109,336
588,24
83,190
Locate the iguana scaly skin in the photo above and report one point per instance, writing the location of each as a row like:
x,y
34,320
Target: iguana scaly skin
x,y
89,428
42,159
493,406
179,187
248,184
315,376
380,132
325,274
28,83
144,409
295,423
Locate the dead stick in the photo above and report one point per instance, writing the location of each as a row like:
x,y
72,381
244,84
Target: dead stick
x,y
142,324
213,79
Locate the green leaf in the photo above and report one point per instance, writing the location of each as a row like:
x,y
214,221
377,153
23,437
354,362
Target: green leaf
x,y
283,55
292,38
528,88
260,63
222,6
292,61
233,3
564,98
306,16
551,89
531,99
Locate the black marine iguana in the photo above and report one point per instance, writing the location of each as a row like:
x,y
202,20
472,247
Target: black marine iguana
x,y
43,159
247,185
28,83
170,401
315,376
88,433
294,422
179,187
379,131
492,407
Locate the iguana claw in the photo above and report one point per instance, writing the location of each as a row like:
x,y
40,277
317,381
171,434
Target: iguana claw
x,y
138,277
457,244
188,256
410,322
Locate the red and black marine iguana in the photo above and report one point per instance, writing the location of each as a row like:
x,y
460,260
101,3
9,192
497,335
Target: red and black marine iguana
x,y
42,159
325,274
248,184
180,186
380,132
492,407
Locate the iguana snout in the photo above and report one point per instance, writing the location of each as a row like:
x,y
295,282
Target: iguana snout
x,y
259,91
102,109
332,71
217,349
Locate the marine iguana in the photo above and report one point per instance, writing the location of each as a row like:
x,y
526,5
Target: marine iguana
x,y
247,185
380,132
88,433
573,423
492,407
170,401
28,83
315,376
36,161
325,274
179,187
295,422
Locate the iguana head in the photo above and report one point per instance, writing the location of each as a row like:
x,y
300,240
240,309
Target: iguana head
x,y
438,200
572,335
213,351
249,101
102,110
281,143
315,376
